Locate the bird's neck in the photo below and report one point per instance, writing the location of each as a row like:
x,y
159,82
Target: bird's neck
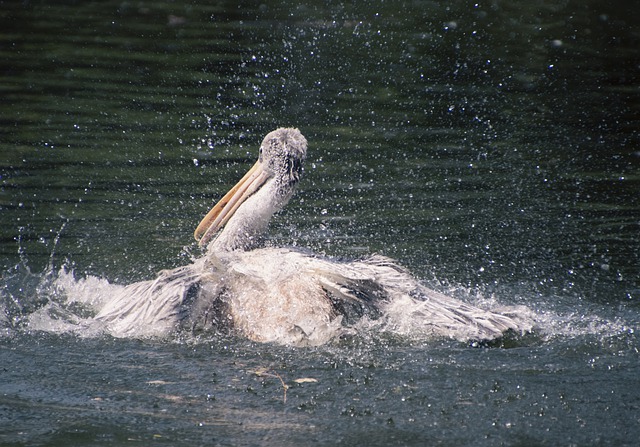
x,y
243,231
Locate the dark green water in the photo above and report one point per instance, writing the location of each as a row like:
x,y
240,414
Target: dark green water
x,y
492,148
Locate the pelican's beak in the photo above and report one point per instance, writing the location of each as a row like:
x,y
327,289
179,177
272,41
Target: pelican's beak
x,y
224,209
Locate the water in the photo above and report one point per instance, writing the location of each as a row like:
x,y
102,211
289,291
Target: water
x,y
492,149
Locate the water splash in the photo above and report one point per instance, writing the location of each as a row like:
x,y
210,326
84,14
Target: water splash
x,y
57,301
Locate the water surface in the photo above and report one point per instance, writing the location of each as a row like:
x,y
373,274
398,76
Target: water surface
x,y
493,149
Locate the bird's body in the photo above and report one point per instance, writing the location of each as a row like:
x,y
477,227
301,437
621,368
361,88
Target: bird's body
x,y
284,295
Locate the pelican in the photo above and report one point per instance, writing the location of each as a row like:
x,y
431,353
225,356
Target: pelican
x,y
286,295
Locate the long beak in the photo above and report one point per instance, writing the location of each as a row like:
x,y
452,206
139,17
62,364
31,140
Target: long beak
x,y
224,209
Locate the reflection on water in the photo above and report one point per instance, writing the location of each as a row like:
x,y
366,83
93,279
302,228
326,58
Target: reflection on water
x,y
492,148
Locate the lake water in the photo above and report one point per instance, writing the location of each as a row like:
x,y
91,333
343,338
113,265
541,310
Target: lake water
x,y
492,148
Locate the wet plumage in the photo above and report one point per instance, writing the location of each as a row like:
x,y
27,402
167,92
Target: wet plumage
x,y
287,295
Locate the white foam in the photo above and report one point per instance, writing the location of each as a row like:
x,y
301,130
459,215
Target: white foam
x,y
90,291
74,301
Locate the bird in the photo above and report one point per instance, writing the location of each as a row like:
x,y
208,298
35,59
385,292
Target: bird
x,y
289,295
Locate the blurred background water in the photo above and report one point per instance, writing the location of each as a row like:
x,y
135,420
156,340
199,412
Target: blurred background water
x,y
492,148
